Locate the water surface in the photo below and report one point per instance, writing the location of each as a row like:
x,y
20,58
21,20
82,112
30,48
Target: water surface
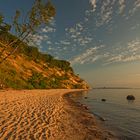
x,y
120,115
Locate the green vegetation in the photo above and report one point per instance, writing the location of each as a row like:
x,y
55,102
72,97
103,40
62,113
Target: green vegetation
x,y
34,54
23,66
10,79
24,25
37,81
30,69
13,78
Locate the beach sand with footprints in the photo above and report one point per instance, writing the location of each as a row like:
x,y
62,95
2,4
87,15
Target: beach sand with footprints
x,y
46,115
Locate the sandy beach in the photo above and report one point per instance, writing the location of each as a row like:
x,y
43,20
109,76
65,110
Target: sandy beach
x,y
46,115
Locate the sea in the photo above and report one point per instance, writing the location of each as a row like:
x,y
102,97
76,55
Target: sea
x,y
117,113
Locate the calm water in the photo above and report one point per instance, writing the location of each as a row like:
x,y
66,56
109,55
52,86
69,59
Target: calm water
x,y
120,115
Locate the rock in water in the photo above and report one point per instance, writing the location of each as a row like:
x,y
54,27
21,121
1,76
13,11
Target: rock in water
x,y
130,97
103,100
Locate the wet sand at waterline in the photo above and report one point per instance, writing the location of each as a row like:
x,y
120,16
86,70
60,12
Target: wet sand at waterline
x,y
46,115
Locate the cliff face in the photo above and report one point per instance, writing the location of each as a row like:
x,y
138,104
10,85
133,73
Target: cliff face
x,y
29,69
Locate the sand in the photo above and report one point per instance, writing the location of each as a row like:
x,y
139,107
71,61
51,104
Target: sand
x,y
46,115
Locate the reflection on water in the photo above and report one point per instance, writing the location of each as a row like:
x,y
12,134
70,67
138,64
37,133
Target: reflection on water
x,y
131,101
120,114
81,94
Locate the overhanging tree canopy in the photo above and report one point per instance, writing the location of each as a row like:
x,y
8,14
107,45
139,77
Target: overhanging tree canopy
x,y
39,15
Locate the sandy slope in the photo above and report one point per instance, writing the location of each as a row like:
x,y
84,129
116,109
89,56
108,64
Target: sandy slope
x,y
44,114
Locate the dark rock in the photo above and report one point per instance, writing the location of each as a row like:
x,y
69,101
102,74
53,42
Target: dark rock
x,y
130,97
103,100
85,97
84,106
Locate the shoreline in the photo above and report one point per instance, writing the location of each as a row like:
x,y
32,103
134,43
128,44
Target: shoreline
x,y
94,122
47,114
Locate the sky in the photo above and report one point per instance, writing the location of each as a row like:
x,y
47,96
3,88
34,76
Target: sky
x,y
101,38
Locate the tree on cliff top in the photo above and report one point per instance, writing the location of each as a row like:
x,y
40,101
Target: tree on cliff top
x,y
23,25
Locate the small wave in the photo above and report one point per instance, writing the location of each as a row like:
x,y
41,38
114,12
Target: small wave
x,y
100,117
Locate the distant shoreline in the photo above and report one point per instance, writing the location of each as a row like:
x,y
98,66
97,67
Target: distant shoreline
x,y
114,88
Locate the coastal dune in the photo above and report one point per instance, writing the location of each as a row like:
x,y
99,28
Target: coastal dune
x,y
45,115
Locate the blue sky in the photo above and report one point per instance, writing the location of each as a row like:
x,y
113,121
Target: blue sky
x,y
101,38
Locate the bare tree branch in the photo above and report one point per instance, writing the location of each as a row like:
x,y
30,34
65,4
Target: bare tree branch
x,y
40,14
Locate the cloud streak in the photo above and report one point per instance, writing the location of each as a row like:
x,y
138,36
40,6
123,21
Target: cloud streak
x,y
89,55
43,35
129,52
83,42
136,6
122,6
104,11
93,3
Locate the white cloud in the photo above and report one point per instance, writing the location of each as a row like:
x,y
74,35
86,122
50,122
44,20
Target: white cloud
x,y
122,58
122,6
136,7
121,54
93,3
88,56
131,58
48,29
106,12
134,45
35,39
82,58
135,26
65,42
80,37
42,36
130,52
76,35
